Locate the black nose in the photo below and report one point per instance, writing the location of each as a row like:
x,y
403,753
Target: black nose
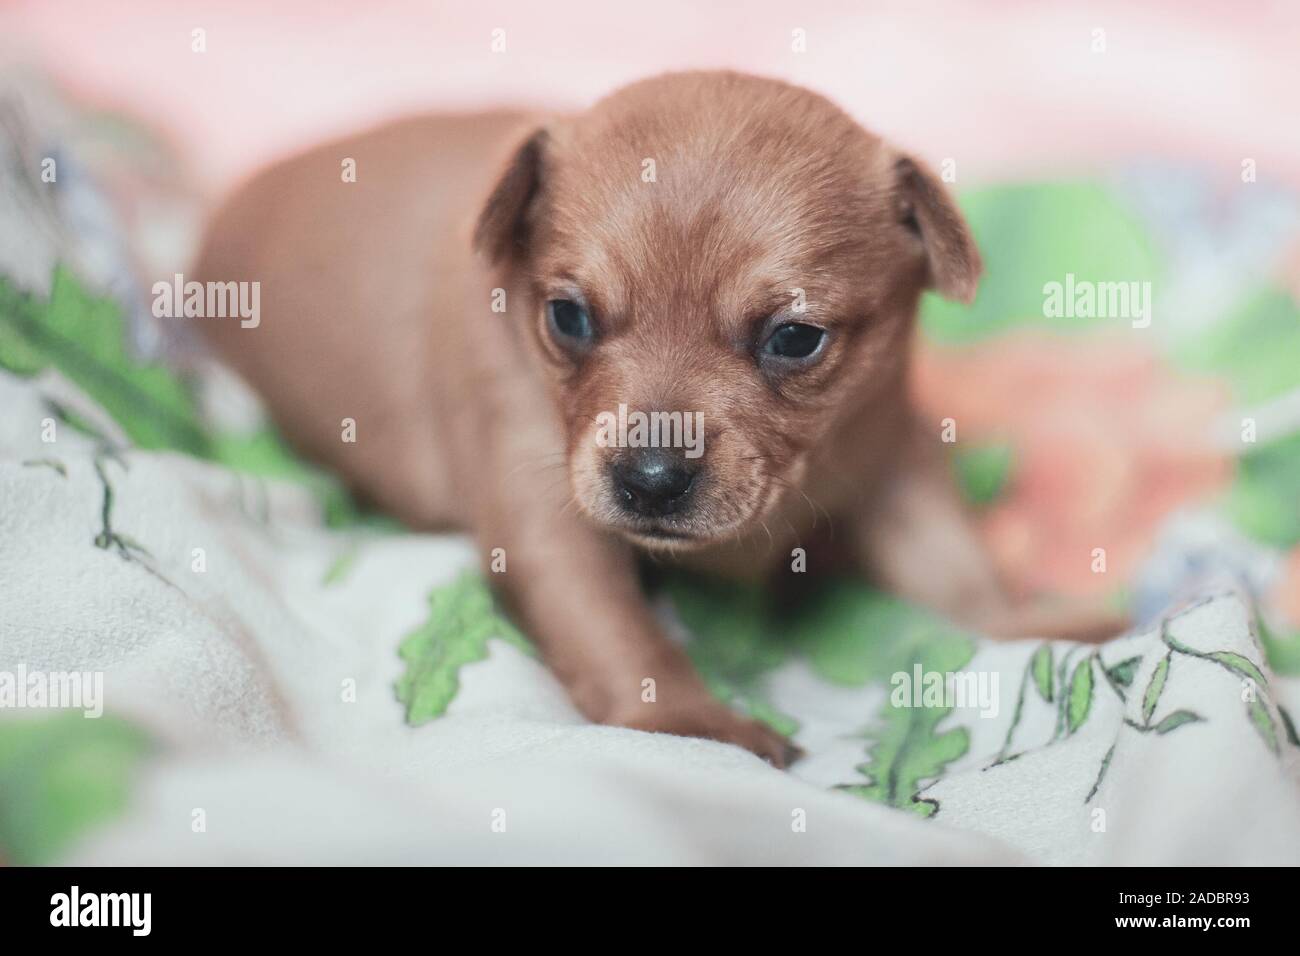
x,y
652,482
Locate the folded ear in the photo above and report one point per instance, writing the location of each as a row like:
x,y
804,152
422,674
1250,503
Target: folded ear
x,y
924,206
503,225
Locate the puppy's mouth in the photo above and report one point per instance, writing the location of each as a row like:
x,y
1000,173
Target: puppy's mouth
x,y
662,535
695,530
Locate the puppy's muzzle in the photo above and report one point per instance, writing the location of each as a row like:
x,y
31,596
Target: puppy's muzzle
x,y
653,482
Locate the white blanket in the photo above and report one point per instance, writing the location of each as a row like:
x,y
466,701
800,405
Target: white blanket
x,y
260,651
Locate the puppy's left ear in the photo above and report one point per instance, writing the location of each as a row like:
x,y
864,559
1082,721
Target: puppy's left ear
x,y
924,206
505,222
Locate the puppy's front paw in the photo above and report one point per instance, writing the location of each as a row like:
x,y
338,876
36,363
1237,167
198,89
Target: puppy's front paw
x,y
713,720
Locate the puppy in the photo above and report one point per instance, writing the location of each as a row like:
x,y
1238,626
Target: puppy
x,y
494,296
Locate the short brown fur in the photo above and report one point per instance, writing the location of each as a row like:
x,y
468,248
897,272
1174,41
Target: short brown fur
x,y
376,308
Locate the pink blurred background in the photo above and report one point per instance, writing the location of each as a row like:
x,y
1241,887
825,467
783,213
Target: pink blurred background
x,y
1007,89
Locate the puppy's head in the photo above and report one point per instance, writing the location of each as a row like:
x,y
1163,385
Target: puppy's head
x,y
722,267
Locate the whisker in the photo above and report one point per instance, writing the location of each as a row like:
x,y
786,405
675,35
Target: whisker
x,y
813,506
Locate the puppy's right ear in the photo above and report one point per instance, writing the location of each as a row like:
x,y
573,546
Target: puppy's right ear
x,y
505,221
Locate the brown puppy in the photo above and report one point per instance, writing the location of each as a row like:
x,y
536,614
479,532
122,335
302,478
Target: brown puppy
x,y
732,249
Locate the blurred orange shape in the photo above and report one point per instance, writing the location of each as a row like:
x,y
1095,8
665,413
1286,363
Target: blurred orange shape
x,y
1107,441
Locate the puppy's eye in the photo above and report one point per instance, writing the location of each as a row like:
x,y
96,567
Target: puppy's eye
x,y
794,340
569,322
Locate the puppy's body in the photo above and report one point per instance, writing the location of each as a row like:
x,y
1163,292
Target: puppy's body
x,y
374,307
684,218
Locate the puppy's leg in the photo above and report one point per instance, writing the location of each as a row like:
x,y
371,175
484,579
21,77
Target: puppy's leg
x,y
916,538
576,593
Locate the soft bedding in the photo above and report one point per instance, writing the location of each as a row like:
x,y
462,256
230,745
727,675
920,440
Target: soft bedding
x,y
284,678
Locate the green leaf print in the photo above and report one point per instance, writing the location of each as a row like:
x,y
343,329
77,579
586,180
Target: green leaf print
x,y
1123,672
1063,697
1240,665
851,635
855,635
907,751
1041,666
1262,501
1263,722
735,643
84,336
1101,773
1282,651
1018,228
983,471
1289,725
1176,720
463,617
61,776
1157,684
52,463
1255,348
1080,694
1256,709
